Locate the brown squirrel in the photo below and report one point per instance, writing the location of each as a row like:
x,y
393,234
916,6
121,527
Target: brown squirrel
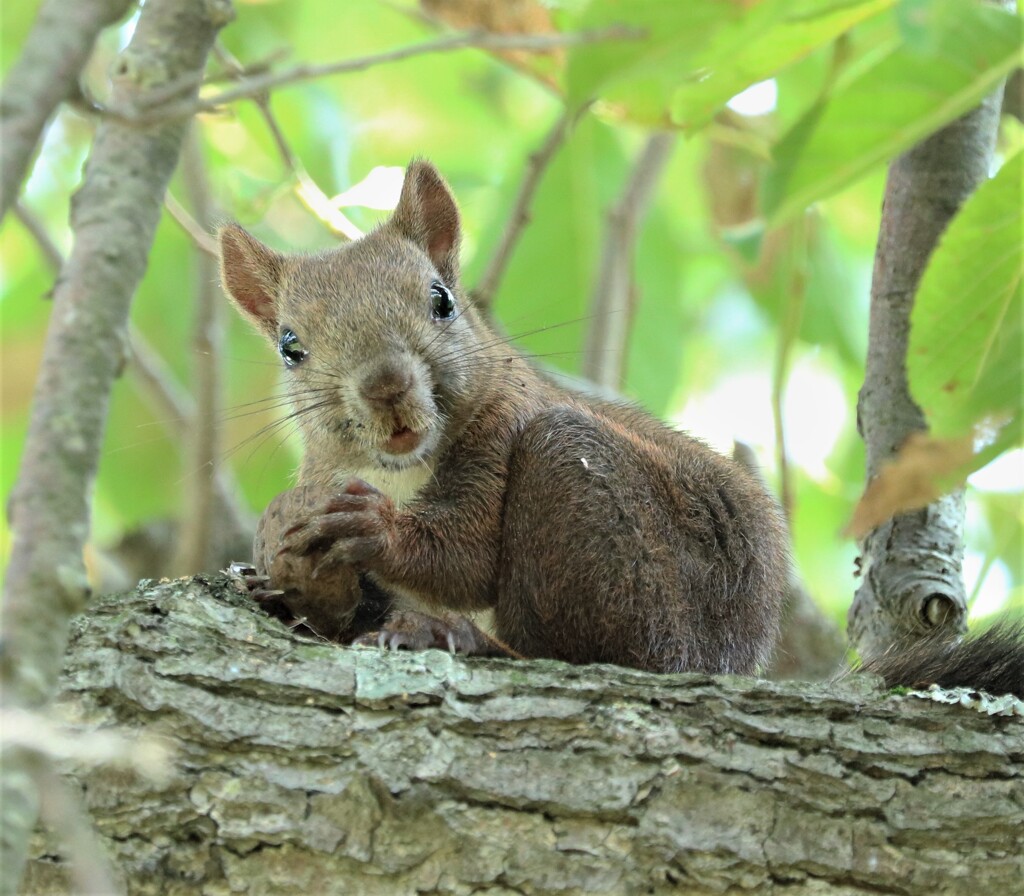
x,y
441,472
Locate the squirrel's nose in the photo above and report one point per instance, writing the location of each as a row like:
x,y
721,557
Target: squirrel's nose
x,y
386,386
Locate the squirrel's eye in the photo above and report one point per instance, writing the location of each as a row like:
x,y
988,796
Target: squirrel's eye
x,y
291,349
442,302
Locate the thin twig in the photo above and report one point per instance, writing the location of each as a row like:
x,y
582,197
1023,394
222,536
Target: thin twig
x,y
145,112
204,242
36,229
309,193
195,533
175,407
789,330
613,300
209,512
520,216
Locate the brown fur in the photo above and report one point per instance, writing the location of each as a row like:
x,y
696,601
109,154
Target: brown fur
x,y
992,661
594,532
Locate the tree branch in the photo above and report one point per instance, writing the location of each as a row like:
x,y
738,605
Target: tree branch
x,y
611,306
198,234
163,107
538,162
44,75
83,353
786,339
310,768
195,549
911,565
308,191
50,250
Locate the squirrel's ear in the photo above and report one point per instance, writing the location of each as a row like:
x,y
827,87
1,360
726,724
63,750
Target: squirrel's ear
x,y
426,214
251,274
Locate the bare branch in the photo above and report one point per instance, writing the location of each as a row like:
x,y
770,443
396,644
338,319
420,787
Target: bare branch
x,y
195,537
84,350
789,331
912,564
612,303
200,236
175,406
37,230
483,295
308,191
145,110
593,779
44,75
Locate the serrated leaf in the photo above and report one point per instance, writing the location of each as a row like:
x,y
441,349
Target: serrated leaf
x,y
950,55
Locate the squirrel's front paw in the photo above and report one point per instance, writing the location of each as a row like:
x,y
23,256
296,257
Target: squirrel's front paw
x,y
353,528
412,630
259,588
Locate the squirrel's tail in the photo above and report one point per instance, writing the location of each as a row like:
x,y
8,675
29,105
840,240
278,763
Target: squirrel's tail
x,y
992,661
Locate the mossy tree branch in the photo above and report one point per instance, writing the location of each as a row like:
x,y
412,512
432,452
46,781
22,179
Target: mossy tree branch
x,y
310,768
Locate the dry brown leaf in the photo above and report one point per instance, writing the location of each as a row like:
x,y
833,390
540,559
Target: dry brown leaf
x,y
918,474
503,17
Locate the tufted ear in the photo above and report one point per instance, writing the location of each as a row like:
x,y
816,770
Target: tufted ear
x,y
251,275
426,214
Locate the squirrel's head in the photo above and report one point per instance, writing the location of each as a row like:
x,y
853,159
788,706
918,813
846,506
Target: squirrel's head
x,y
375,336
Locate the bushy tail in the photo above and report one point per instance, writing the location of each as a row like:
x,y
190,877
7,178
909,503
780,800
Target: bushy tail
x,y
992,661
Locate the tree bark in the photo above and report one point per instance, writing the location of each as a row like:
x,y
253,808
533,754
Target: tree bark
x,y
114,215
44,75
309,768
911,565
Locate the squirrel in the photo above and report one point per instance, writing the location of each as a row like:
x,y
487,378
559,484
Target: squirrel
x,y
443,475
991,661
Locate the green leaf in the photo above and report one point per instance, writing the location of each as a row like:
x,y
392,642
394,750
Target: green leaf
x,y
674,33
949,55
730,65
698,55
964,360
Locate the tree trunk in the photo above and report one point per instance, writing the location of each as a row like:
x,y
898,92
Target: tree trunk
x,y
311,769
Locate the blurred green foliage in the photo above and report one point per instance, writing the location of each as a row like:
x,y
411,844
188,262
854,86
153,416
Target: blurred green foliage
x,y
725,305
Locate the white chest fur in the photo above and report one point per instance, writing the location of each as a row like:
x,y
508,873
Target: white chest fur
x,y
401,486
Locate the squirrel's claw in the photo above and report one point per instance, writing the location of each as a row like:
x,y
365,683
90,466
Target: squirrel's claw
x,y
412,630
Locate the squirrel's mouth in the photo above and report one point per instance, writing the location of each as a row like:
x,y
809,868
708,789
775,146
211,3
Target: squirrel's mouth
x,y
403,440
